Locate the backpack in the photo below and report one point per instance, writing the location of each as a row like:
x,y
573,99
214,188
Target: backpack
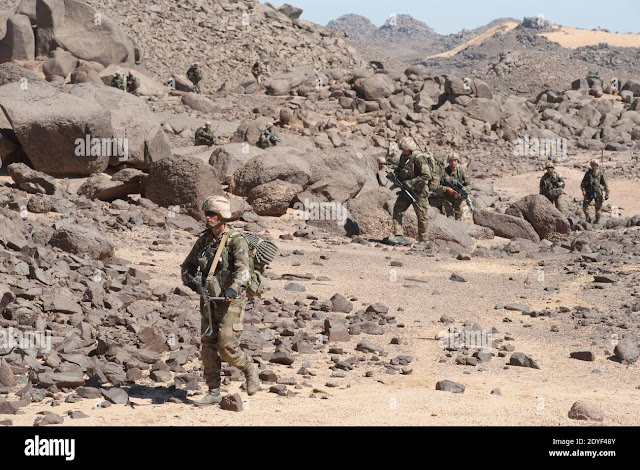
x,y
262,253
437,166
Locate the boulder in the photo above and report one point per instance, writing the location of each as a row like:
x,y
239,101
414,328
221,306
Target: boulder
x,y
290,11
375,87
129,118
273,198
103,188
505,226
11,72
61,63
444,228
288,166
71,25
22,174
200,103
184,182
80,240
227,159
541,214
48,121
455,86
19,41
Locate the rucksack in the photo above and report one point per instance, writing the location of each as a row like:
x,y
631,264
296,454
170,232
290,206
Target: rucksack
x,y
262,253
437,166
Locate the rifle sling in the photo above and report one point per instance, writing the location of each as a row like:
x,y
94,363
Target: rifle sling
x,y
208,273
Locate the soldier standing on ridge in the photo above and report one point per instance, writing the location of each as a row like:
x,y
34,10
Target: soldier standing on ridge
x,y
593,185
195,75
257,70
220,264
552,186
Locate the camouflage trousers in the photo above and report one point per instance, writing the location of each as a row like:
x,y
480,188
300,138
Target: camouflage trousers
x,y
587,202
196,88
452,206
556,201
224,342
421,207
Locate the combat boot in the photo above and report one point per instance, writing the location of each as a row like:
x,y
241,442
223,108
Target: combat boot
x,y
421,246
212,398
253,380
397,240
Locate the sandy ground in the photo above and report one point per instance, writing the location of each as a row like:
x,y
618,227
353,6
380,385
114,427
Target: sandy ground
x,y
500,29
528,396
573,38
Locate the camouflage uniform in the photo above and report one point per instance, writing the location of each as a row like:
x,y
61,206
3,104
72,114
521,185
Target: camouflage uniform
x,y
195,75
594,183
415,171
257,70
233,271
551,186
266,140
205,136
119,82
452,203
133,85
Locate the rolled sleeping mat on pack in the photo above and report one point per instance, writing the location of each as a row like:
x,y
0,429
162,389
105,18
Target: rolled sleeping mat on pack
x,y
265,251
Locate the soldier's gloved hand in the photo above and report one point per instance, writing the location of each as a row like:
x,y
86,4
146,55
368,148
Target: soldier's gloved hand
x,y
606,196
450,190
584,193
230,294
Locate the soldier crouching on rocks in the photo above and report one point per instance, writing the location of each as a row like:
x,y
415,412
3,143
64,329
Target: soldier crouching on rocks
x,y
219,265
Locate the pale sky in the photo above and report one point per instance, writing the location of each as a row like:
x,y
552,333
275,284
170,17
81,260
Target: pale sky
x,y
450,16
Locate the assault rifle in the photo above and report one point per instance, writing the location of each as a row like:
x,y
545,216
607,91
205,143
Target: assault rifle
x,y
204,296
273,136
461,190
391,176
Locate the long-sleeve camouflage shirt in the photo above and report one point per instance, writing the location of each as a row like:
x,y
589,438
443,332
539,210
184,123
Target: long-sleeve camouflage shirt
x,y
205,136
194,75
549,182
594,182
458,176
235,264
415,171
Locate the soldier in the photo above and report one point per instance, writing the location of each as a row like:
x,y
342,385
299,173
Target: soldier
x,y
268,138
451,198
133,84
593,184
551,186
118,81
195,75
229,278
205,136
415,172
257,70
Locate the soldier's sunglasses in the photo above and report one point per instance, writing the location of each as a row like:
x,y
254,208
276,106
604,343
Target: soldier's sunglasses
x,y
209,213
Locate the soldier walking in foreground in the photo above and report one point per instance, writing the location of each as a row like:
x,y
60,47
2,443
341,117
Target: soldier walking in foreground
x,y
205,136
454,177
593,185
119,82
219,267
414,174
194,74
552,186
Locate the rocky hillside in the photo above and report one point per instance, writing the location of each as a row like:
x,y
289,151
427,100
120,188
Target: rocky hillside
x,y
404,38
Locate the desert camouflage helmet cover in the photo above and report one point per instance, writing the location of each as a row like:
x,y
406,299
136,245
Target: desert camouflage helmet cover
x,y
408,143
549,164
453,157
595,161
219,205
